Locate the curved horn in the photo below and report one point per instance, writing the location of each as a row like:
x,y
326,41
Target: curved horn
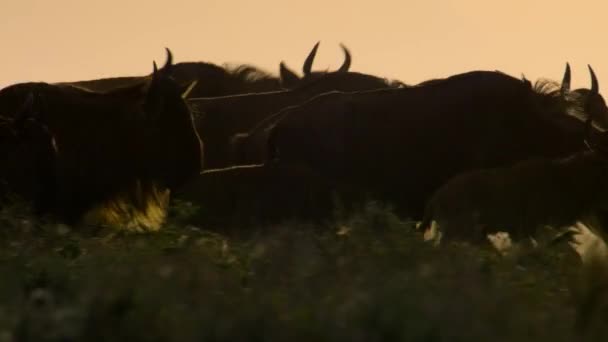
x,y
155,67
306,68
169,61
566,80
347,59
594,83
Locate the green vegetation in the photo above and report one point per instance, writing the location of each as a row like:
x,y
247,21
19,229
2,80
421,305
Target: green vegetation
x,y
362,277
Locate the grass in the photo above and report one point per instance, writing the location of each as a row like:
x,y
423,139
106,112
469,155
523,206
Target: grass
x,y
365,276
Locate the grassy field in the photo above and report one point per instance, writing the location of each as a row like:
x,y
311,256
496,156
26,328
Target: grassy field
x,y
366,276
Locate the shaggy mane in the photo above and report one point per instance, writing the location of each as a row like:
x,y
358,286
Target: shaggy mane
x,y
249,73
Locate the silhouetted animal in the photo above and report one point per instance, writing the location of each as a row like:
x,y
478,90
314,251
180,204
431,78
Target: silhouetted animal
x,y
520,198
126,142
223,117
403,144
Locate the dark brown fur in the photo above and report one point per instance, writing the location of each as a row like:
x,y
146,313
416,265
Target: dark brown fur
x,y
402,144
125,143
223,117
212,80
520,198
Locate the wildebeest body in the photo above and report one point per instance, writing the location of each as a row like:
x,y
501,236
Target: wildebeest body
x,y
402,144
221,118
125,142
520,198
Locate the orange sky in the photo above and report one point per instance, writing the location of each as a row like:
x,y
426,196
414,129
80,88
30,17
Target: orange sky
x,y
410,40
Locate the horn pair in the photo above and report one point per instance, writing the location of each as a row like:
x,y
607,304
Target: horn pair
x,y
565,88
307,67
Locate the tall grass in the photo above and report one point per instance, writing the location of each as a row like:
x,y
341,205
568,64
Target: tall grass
x,y
363,276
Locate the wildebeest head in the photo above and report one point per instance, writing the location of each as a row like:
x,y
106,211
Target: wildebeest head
x,y
559,114
168,118
290,79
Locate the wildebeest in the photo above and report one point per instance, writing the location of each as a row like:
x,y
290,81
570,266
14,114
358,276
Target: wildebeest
x,y
518,199
127,142
402,144
223,117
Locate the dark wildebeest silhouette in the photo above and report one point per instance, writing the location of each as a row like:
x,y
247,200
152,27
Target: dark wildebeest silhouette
x,y
127,142
520,198
222,117
27,159
402,144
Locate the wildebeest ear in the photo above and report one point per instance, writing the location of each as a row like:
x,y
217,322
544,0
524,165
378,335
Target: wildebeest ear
x,y
288,77
186,92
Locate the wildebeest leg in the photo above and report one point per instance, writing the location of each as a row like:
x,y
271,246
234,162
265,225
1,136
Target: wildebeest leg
x,y
70,205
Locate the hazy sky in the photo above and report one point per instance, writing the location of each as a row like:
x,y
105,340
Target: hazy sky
x,y
410,40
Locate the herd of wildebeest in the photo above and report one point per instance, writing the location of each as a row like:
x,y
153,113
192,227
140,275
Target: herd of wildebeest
x,y
471,153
